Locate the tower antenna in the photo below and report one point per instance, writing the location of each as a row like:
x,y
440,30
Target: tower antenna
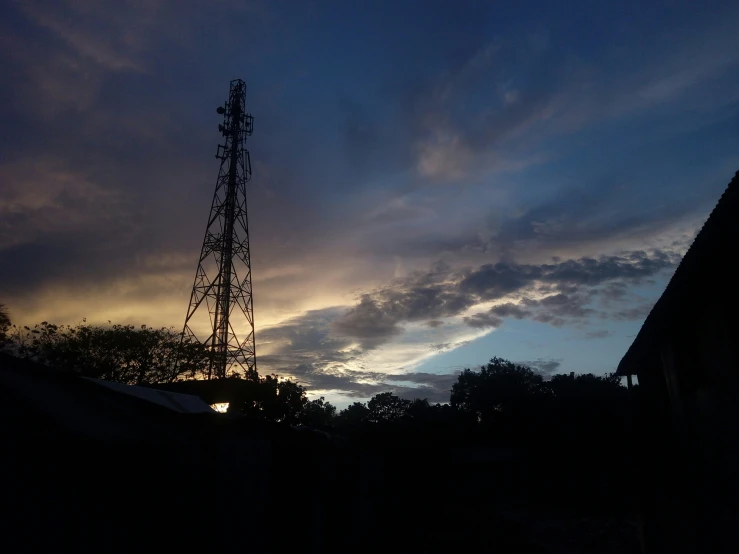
x,y
221,309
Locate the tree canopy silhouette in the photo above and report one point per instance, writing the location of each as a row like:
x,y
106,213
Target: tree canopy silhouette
x,y
386,407
502,394
353,415
4,324
319,414
501,389
120,353
272,398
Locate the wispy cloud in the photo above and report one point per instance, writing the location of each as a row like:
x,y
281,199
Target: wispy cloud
x,y
114,37
44,198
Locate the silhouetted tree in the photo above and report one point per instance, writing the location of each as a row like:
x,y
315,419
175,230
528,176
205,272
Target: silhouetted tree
x,y
386,407
271,398
277,399
587,385
353,415
319,414
589,405
419,409
442,413
4,324
121,353
501,389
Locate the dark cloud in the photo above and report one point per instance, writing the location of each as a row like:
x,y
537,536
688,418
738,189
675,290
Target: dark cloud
x,y
553,320
445,346
510,310
311,332
483,321
544,366
434,323
612,292
563,305
570,286
436,387
368,323
587,215
319,339
599,334
350,384
364,384
304,344
494,281
309,350
494,316
424,302
375,319
438,272
636,313
633,267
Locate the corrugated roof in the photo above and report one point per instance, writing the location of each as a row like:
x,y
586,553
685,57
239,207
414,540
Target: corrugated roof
x,y
182,403
212,391
703,268
68,402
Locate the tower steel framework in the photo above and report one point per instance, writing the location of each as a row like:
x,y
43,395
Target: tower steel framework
x,y
221,301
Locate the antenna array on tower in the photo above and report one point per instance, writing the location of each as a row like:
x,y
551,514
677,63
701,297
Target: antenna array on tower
x,y
221,311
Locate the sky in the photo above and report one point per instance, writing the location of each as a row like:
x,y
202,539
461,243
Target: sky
x,y
434,183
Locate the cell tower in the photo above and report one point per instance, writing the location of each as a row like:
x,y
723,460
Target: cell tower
x,y
221,299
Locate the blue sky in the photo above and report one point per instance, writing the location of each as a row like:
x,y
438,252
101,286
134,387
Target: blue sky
x,y
435,183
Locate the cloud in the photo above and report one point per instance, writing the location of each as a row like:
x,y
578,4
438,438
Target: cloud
x,y
510,310
483,321
599,334
309,349
633,267
432,386
584,213
368,323
494,316
534,92
112,38
566,306
635,313
360,385
44,198
565,290
305,341
546,367
444,157
424,302
495,281
613,292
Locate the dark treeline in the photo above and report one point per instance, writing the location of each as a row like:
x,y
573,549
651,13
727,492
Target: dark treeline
x,y
506,440
502,396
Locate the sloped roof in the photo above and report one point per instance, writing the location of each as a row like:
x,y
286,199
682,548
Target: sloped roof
x,y
69,402
705,268
182,403
211,391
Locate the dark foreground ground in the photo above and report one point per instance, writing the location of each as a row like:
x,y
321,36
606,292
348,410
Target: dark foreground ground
x,y
256,487
462,495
